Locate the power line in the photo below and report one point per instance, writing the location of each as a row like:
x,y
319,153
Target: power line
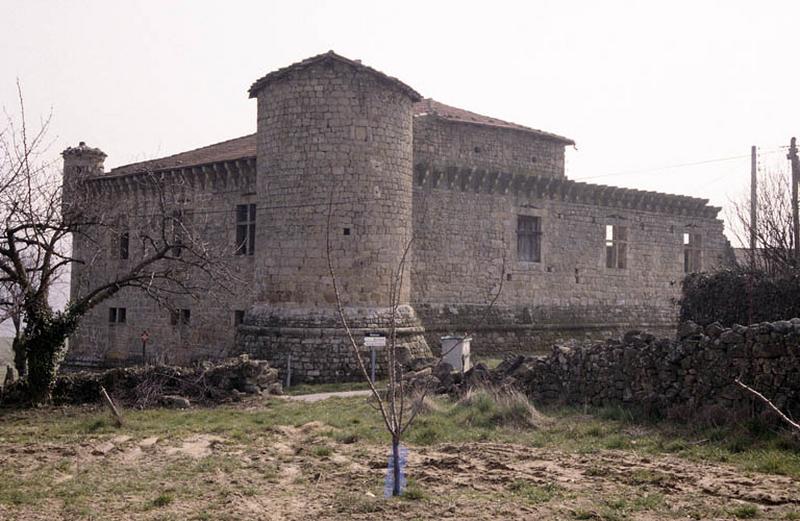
x,y
679,165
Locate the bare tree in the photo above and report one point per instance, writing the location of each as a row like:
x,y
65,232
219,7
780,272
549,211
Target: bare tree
x,y
35,247
397,407
773,228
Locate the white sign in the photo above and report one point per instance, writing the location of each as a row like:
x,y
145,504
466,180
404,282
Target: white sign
x,y
374,340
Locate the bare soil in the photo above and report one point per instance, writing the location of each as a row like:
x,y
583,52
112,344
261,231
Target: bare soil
x,y
303,472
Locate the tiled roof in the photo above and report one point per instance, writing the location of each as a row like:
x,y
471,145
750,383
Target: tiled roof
x,y
245,146
433,107
239,148
330,55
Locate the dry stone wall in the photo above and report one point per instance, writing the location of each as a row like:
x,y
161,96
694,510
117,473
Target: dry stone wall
x,y
694,374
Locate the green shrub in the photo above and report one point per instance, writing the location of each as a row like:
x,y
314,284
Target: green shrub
x,y
739,296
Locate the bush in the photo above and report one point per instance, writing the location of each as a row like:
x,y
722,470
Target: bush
x,y
739,296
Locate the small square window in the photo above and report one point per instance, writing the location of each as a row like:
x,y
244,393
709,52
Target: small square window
x,y
117,315
179,317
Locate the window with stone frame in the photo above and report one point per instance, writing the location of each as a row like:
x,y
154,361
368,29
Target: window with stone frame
x,y
245,229
119,244
529,238
180,317
180,220
616,246
117,315
692,252
124,244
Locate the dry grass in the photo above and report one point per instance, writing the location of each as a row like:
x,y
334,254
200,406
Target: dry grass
x,y
500,407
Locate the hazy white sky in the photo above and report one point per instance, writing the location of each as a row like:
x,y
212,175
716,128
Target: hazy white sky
x,y
638,85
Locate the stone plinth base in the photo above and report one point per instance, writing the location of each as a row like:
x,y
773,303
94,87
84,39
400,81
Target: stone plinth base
x,y
534,330
314,347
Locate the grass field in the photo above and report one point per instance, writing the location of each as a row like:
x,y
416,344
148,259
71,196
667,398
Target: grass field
x,y
278,459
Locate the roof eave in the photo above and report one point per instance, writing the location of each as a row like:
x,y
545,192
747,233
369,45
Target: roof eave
x,y
260,83
539,133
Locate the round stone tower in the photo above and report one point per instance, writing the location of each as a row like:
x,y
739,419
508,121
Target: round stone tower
x,y
334,173
80,162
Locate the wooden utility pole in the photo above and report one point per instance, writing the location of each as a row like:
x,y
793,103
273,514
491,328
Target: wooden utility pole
x,y
753,204
795,175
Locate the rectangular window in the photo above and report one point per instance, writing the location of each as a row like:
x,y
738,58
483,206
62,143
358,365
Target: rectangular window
x,y
238,317
692,252
124,245
616,246
245,229
529,238
117,315
179,316
181,219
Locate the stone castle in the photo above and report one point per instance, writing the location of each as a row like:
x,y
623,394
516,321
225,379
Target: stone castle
x,y
346,154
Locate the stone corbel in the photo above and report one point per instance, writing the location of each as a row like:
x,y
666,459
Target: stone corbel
x,y
451,176
436,178
465,178
479,176
222,174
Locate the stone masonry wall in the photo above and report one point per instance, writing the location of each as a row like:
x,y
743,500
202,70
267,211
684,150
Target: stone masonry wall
x,y
462,237
318,346
335,162
211,203
694,374
478,146
330,127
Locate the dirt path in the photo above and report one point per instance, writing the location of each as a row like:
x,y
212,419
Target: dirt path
x,y
315,397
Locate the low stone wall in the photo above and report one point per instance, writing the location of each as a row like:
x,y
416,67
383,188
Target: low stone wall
x,y
695,373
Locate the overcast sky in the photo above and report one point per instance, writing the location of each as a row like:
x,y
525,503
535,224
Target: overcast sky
x,y
638,85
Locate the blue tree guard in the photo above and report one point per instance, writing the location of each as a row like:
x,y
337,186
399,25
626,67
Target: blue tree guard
x,y
389,482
